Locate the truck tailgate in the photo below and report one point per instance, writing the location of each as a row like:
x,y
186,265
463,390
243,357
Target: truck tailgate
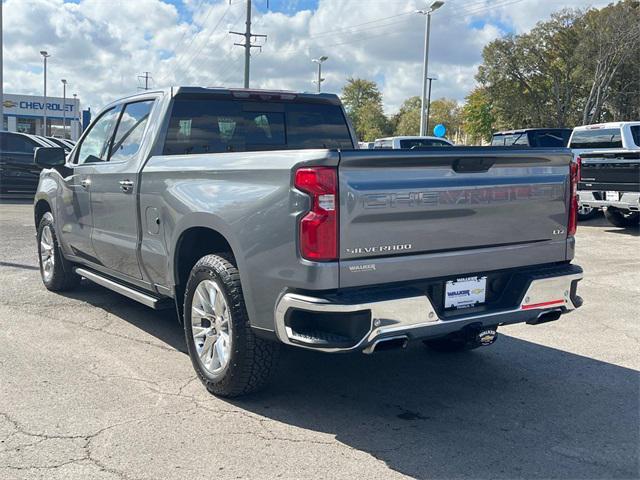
x,y
450,211
617,171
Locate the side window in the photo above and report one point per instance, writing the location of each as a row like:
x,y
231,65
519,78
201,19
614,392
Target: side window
x,y
95,146
17,144
635,133
128,137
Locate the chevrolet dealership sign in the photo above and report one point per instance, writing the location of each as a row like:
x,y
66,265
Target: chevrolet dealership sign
x,y
31,105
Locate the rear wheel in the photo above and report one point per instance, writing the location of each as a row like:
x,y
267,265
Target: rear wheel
x,y
56,272
622,218
227,356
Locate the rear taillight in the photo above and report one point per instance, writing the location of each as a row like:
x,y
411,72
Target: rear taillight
x,y
574,177
319,227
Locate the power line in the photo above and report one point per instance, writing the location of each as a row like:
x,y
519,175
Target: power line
x,y
187,69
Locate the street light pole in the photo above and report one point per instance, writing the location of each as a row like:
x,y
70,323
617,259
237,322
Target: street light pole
x,y
320,61
45,55
75,106
431,79
425,65
64,108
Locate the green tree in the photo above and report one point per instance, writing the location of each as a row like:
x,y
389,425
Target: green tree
x,y
363,102
574,68
477,116
447,112
407,120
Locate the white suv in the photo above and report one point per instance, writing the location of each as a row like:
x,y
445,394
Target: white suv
x,y
602,137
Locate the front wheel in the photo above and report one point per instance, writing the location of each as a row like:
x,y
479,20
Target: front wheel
x,y
227,356
56,272
621,218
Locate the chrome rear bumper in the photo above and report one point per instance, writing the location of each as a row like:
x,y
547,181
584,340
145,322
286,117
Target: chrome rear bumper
x,y
416,317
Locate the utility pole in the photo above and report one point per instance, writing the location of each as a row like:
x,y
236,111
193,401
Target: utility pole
x,y
64,108
247,44
425,66
429,103
146,80
319,61
45,55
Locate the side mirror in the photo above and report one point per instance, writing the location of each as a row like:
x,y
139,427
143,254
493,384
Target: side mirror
x,y
49,157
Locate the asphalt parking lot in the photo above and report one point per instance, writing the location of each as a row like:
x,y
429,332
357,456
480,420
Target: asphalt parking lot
x,y
93,385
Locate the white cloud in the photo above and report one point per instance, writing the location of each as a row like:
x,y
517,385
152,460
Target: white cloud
x,y
101,46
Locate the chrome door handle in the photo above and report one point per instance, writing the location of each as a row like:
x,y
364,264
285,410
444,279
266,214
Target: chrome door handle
x,y
126,185
86,183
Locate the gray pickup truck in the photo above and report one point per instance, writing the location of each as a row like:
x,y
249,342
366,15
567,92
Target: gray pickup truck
x,y
253,214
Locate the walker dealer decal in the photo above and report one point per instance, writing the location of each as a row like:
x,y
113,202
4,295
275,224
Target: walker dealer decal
x,y
34,106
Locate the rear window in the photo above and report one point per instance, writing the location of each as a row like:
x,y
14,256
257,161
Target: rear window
x,y
215,126
541,138
510,139
635,133
597,138
421,143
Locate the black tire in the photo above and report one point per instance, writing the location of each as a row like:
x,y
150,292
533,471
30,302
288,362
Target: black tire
x,y
587,213
61,277
252,360
621,218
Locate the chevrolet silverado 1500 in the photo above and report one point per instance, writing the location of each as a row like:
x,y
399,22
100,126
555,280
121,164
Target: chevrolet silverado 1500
x,y
254,215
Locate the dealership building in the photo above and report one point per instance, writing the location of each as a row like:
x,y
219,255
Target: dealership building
x,y
25,113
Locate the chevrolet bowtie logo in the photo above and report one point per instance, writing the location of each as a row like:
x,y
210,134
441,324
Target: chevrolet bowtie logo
x,y
9,104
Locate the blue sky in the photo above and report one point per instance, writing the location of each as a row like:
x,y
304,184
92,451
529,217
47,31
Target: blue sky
x,y
187,42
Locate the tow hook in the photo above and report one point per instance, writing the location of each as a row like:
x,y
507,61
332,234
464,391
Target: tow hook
x,y
480,335
487,336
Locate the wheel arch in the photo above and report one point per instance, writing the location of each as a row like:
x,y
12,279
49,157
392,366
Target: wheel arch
x,y
193,243
41,207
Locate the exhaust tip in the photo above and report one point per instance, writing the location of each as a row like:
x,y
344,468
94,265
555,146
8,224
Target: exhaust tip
x,y
384,344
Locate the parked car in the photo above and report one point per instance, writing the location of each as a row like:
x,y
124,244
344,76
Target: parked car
x,y
195,199
365,145
532,137
613,179
411,142
18,172
601,138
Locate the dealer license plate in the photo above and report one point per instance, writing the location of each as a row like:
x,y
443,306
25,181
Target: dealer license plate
x,y
465,292
612,196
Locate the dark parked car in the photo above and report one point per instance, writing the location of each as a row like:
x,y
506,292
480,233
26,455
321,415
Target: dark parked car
x,y
18,172
532,137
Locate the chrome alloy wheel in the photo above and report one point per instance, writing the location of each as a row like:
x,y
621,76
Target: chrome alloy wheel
x,y
211,326
47,253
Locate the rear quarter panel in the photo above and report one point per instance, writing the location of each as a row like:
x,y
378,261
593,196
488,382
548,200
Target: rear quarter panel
x,y
246,197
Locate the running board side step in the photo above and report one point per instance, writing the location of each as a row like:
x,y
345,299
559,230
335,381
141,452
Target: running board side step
x,y
144,298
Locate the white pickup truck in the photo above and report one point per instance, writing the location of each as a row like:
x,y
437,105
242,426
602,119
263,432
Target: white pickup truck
x,y
605,139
